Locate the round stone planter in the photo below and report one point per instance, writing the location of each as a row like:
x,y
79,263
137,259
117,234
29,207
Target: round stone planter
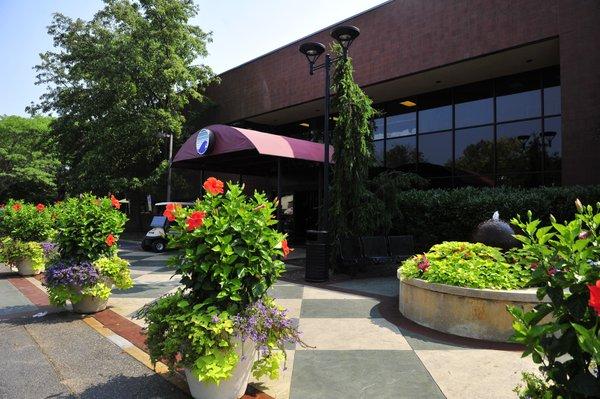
x,y
467,312
232,388
25,267
90,304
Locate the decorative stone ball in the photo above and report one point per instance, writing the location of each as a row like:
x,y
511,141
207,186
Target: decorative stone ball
x,y
495,233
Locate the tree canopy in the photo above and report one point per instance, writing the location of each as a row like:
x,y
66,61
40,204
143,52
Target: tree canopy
x,y
115,82
28,161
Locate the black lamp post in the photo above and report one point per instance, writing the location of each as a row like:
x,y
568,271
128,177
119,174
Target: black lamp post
x,y
344,35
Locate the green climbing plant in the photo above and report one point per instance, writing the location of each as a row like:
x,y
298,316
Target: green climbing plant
x,y
353,151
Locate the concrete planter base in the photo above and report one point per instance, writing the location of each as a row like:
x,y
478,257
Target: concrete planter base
x,y
467,312
232,388
90,304
25,268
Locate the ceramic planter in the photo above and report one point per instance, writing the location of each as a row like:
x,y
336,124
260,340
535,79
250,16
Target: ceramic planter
x,y
232,388
90,304
25,267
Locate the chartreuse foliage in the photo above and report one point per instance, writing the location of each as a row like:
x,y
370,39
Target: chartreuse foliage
x,y
466,264
14,251
231,255
562,335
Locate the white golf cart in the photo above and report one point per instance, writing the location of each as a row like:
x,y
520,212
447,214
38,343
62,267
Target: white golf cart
x,y
156,238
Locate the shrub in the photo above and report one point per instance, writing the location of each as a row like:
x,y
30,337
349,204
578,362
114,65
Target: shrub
x,y
26,222
465,264
231,256
563,336
87,227
434,216
15,251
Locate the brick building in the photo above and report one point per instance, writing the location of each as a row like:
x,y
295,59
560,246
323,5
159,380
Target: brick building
x,y
471,92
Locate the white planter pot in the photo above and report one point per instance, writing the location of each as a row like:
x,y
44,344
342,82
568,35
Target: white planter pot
x,y
232,388
90,304
25,267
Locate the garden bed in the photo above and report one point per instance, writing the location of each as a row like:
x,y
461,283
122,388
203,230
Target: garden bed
x,y
467,312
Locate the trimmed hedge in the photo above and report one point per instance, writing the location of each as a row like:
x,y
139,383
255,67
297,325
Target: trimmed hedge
x,y
434,216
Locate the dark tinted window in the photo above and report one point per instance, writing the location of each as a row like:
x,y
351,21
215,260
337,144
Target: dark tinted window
x,y
552,100
553,143
378,152
401,152
518,97
435,111
378,129
474,151
435,152
402,125
473,105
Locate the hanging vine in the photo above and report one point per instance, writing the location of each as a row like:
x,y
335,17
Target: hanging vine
x,y
353,151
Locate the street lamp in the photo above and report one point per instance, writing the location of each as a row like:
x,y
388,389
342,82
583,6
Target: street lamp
x,y
170,136
344,35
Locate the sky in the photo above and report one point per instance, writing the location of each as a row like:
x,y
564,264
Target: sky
x,y
242,30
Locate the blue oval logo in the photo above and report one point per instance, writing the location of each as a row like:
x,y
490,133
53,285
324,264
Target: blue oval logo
x,y
204,141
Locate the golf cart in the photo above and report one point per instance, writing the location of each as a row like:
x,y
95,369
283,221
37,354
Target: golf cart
x,y
156,238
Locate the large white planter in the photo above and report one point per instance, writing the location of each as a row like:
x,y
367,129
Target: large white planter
x,y
90,304
25,267
232,388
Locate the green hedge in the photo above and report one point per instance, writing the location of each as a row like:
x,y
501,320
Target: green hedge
x,y
434,216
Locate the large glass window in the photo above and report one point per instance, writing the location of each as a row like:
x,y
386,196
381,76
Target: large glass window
x,y
378,129
518,97
435,111
474,105
551,78
401,153
435,150
518,147
402,125
474,151
378,152
552,143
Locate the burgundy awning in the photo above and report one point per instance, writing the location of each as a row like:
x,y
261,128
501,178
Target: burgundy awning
x,y
244,151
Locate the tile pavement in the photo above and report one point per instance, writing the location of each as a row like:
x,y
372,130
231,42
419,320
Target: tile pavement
x,y
360,347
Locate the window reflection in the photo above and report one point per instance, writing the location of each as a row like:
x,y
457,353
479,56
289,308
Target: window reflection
x,y
552,144
474,105
378,152
518,97
518,147
474,151
401,152
402,125
435,111
436,150
378,128
552,100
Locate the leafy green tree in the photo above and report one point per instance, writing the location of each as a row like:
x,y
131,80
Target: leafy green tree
x,y
28,160
115,82
353,151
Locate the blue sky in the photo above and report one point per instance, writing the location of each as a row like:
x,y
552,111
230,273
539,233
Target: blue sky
x,y
242,30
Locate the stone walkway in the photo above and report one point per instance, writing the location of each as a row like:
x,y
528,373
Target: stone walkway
x,y
361,347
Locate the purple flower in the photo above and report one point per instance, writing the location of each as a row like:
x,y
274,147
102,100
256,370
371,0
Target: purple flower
x,y
215,319
72,274
49,248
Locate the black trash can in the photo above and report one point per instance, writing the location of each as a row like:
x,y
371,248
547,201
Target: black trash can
x,y
317,256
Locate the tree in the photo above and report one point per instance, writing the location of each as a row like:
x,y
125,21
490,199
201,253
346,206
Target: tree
x,y
353,151
115,82
28,160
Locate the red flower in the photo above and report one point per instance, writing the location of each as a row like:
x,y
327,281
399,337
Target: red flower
x,y
168,213
213,186
285,248
17,207
423,265
595,297
40,207
115,202
533,266
110,240
195,220
551,272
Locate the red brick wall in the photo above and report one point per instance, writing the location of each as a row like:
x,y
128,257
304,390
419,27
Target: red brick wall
x,y
398,38
579,43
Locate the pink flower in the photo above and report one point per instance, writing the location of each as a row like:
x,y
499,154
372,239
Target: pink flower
x,y
533,266
595,297
423,265
583,235
551,272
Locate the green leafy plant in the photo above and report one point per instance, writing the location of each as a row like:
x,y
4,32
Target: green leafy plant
x,y
14,251
231,255
466,264
534,388
87,227
116,269
26,222
563,335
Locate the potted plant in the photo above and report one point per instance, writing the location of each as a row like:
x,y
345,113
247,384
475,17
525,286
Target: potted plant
x,y
221,325
87,231
24,226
